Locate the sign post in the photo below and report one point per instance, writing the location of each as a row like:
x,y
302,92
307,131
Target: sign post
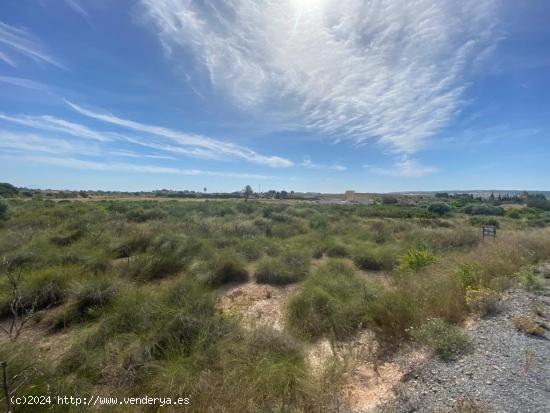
x,y
489,231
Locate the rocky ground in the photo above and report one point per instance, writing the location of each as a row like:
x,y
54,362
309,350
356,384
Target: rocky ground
x,y
509,371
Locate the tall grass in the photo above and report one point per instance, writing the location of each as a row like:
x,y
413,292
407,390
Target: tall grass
x,y
332,303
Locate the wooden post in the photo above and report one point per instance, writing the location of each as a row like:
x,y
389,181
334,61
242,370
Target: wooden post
x,y
4,366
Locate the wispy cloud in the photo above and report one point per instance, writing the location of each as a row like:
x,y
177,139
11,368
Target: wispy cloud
x,y
22,82
77,7
406,167
19,41
51,123
74,163
390,70
333,167
31,143
190,144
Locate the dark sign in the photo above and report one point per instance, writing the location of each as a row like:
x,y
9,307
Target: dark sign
x,y
489,231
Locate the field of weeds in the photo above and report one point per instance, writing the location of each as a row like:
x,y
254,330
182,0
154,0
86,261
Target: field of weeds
x,y
223,301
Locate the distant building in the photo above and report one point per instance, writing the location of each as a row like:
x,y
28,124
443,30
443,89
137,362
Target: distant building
x,y
349,196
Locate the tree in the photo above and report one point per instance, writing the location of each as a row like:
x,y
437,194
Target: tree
x,y
247,192
389,199
439,208
8,190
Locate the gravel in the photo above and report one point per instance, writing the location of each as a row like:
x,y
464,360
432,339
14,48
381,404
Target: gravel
x,y
507,372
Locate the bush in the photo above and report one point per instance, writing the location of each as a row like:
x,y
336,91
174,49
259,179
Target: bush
x,y
141,215
135,243
151,267
530,280
3,210
250,249
469,275
479,221
446,340
482,209
390,313
439,208
92,295
337,249
527,325
289,268
413,260
368,261
483,301
40,289
227,268
389,200
332,303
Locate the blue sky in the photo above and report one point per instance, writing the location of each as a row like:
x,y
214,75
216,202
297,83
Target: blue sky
x,y
308,95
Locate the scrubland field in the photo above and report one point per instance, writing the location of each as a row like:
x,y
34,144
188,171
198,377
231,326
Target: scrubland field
x,y
231,303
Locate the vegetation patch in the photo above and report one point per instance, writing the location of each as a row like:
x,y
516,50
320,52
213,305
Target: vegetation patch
x,y
333,303
528,325
413,260
447,341
288,268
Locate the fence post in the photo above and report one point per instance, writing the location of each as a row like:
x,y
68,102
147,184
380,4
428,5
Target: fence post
x,y
4,366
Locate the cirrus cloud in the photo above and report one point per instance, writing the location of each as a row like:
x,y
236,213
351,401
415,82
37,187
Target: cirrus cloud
x,y
390,70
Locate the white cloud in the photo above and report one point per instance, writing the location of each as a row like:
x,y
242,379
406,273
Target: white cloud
x,y
77,7
51,123
334,167
130,154
18,41
189,144
390,70
22,82
74,163
27,142
406,167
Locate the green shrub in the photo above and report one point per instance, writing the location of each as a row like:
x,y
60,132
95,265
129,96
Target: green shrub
x,y
332,303
446,340
289,268
90,298
135,243
368,261
390,313
479,221
442,239
150,267
44,289
389,200
469,275
67,238
513,213
250,249
413,260
226,268
3,210
439,208
143,215
337,249
93,294
530,280
482,209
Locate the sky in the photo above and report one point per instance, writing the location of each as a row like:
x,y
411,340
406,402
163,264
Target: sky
x,y
303,95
